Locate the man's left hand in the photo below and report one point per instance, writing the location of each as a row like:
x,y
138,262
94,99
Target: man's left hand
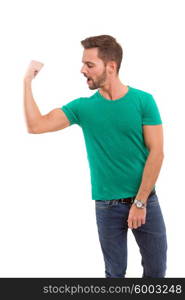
x,y
137,217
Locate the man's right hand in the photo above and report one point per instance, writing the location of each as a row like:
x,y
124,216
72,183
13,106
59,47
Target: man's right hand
x,y
33,69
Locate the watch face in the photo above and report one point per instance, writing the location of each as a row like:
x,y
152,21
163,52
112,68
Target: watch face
x,y
139,204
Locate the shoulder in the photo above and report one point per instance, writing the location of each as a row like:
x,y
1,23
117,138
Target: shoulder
x,y
85,100
89,97
78,102
141,93
144,98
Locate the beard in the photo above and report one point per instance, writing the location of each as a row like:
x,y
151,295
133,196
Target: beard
x,y
99,82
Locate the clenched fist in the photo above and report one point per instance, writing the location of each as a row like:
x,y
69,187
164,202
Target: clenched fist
x,y
33,69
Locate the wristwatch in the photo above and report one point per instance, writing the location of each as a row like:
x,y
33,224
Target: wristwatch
x,y
139,203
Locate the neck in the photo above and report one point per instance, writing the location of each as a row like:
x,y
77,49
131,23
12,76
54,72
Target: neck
x,y
114,89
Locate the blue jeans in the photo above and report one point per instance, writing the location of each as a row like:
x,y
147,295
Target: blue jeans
x,y
111,218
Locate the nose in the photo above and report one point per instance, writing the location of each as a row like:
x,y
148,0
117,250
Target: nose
x,y
82,70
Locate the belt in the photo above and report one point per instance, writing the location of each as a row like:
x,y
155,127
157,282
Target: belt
x,y
131,199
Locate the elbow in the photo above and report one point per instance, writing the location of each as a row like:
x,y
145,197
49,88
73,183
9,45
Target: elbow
x,y
31,130
35,131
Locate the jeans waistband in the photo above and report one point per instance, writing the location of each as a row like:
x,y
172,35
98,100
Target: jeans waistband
x,y
131,199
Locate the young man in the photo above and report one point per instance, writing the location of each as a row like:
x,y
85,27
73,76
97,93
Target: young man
x,y
123,134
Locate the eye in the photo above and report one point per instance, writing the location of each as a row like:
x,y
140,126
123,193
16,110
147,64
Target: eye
x,y
90,66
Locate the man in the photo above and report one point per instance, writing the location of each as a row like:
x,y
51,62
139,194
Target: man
x,y
123,134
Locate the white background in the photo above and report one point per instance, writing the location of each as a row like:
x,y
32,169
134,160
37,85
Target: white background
x,y
47,216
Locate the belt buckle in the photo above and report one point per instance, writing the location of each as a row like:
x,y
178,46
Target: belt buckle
x,y
132,200
122,200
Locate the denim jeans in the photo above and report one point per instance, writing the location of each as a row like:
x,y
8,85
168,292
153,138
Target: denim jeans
x,y
111,218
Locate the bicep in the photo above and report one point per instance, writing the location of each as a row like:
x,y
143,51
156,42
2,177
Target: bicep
x,y
153,137
53,121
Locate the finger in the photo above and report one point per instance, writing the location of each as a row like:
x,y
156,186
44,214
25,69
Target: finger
x,y
135,224
37,64
129,223
143,221
139,223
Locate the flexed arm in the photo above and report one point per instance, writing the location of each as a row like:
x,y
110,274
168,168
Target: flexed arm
x,y
37,123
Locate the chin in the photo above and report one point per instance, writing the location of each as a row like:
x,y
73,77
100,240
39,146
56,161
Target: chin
x,y
92,87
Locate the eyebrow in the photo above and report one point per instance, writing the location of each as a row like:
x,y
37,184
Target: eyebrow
x,y
88,62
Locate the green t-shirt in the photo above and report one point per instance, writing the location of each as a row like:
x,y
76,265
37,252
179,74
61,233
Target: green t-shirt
x,y
112,130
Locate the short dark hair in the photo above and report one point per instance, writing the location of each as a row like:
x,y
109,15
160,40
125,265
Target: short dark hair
x,y
108,48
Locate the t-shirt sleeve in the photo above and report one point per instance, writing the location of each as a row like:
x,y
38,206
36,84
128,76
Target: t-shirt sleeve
x,y
151,114
71,110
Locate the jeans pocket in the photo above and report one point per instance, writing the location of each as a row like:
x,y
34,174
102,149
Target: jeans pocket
x,y
153,200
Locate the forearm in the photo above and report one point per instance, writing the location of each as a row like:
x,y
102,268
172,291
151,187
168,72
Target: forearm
x,y
150,175
32,113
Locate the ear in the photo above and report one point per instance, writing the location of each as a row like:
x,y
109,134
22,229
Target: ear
x,y
111,66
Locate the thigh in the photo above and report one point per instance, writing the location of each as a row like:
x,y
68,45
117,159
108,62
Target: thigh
x,y
151,236
154,218
111,217
112,229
